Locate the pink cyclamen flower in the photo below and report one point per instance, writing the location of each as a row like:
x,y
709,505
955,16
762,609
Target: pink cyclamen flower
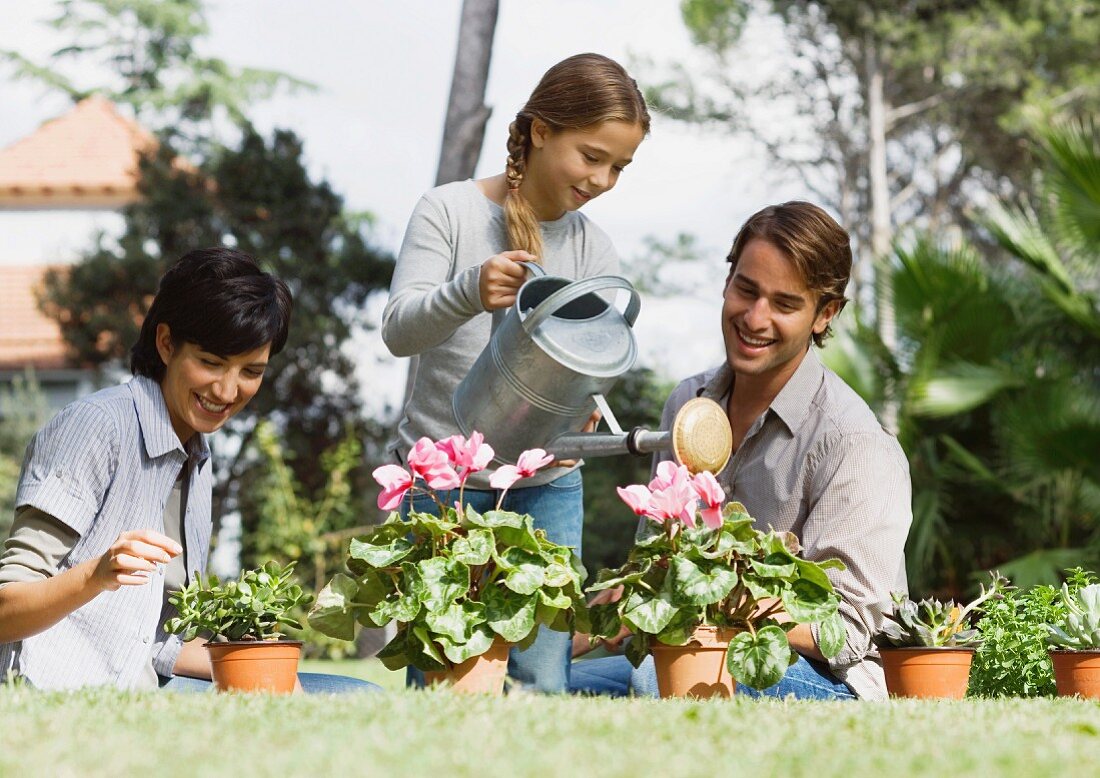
x,y
674,502
670,474
433,465
637,497
395,482
470,455
711,494
529,462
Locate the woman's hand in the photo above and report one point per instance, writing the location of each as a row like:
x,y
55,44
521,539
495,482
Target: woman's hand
x,y
501,277
132,557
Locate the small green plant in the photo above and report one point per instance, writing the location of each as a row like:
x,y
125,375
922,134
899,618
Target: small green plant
x,y
931,623
254,607
454,581
718,571
1079,630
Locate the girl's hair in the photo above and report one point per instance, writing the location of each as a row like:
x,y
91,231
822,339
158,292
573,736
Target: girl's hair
x,y
574,94
218,299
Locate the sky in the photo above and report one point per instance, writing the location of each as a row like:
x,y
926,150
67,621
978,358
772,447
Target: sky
x,y
374,124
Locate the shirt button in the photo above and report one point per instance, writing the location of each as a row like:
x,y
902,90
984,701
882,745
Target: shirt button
x,y
145,641
59,472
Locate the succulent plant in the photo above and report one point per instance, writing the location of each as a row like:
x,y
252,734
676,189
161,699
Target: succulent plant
x,y
1080,630
931,623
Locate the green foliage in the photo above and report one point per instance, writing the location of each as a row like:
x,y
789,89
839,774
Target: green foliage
x,y
23,411
1012,659
931,623
453,583
254,607
1079,628
733,576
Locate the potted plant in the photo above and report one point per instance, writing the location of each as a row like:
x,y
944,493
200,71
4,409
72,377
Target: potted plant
x,y
243,619
461,586
709,595
927,647
1074,643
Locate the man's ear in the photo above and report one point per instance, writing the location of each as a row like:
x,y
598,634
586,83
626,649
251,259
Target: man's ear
x,y
164,343
540,132
825,315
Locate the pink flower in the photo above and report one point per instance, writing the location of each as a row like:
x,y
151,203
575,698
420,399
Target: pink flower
x,y
470,455
670,474
433,465
637,497
711,494
529,461
395,481
673,502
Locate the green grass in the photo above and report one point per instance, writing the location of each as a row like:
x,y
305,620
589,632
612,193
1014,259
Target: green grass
x,y
442,734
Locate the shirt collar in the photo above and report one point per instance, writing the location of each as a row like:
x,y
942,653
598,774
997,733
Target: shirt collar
x,y
794,399
156,424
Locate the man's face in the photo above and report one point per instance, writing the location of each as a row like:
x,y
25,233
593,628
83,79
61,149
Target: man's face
x,y
769,313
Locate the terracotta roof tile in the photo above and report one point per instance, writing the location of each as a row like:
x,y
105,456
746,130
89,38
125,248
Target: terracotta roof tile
x,y
27,336
86,157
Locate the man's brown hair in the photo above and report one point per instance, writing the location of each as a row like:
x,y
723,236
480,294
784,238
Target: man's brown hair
x,y
819,248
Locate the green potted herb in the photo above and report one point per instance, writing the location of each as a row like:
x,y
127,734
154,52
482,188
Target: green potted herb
x,y
462,587
1074,643
709,595
927,647
243,619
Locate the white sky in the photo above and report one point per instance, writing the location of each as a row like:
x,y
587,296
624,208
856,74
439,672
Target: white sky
x,y
373,128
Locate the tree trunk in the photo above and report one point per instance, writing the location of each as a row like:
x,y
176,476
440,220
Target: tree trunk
x,y
467,113
881,231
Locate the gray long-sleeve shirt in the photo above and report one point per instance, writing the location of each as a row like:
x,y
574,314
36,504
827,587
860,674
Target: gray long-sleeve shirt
x,y
435,314
817,463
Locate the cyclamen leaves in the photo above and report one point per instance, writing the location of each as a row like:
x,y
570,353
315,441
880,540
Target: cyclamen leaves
x,y
832,635
759,660
510,615
692,585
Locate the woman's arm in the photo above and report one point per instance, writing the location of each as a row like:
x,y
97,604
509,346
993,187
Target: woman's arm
x,y
193,660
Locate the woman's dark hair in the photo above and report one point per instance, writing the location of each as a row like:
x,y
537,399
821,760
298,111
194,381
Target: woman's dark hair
x,y
218,299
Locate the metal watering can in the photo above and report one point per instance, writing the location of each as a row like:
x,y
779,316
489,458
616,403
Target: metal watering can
x,y
552,357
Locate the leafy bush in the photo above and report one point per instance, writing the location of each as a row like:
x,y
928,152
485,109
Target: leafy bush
x,y
254,607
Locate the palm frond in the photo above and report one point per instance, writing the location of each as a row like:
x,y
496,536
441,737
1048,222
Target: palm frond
x,y
1073,177
958,388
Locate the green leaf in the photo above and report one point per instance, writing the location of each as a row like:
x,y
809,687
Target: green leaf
x,y
806,602
763,588
759,660
333,613
646,613
555,598
474,549
814,573
775,565
394,654
683,624
637,649
373,588
628,573
451,622
605,620
526,571
558,574
424,653
444,581
510,615
692,585
493,519
521,537
832,635
380,556
480,641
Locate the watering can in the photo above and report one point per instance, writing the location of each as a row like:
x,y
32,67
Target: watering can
x,y
552,357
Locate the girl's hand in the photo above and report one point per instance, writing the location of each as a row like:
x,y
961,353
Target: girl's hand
x,y
501,277
132,557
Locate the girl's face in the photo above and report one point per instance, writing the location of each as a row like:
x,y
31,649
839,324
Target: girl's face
x,y
203,390
567,168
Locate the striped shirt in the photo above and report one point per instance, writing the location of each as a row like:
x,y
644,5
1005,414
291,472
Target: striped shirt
x,y
107,464
818,463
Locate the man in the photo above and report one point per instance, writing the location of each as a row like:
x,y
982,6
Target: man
x,y
809,455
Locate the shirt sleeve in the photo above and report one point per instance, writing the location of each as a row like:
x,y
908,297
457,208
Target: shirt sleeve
x,y
35,547
859,512
426,304
69,466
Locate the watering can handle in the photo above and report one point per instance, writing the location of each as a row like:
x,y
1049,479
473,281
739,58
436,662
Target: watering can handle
x,y
578,289
534,270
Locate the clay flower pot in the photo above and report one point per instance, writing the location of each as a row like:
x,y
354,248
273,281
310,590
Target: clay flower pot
x,y
482,674
1076,673
927,672
696,669
255,665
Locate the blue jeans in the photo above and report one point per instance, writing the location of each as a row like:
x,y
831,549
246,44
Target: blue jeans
x,y
614,676
557,508
312,683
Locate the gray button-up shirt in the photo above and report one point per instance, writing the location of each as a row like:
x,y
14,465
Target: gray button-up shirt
x,y
818,463
106,464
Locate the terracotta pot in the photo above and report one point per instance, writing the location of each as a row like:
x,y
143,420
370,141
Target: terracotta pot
x,y
482,674
255,665
697,669
1077,672
928,673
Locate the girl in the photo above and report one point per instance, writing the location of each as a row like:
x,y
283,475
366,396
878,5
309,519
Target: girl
x,y
460,259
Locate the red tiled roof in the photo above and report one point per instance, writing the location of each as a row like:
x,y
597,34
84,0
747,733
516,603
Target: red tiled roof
x,y
86,158
27,336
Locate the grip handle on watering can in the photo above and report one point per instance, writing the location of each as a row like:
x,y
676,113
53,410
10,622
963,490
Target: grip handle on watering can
x,y
578,289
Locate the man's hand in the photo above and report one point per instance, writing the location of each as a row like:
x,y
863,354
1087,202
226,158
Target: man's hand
x,y
132,557
501,277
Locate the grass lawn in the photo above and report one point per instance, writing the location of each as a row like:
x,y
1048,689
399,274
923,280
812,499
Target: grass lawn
x,y
440,734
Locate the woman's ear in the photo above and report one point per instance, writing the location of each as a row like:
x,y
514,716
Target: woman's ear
x,y
540,131
164,343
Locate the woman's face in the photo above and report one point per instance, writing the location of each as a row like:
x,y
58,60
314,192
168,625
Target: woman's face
x,y
203,390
